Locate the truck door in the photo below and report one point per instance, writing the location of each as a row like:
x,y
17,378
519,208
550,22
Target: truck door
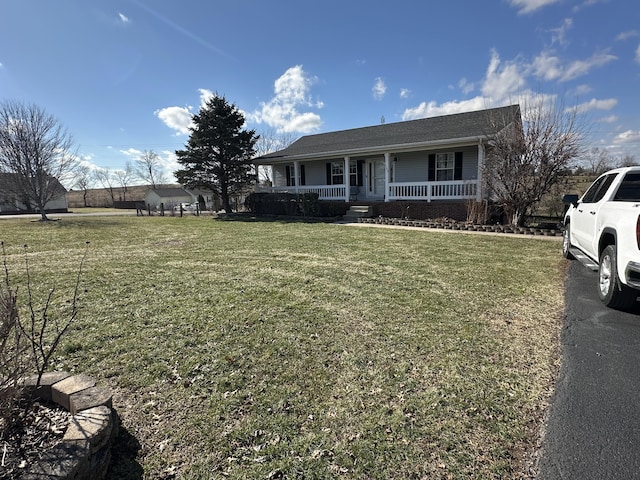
x,y
583,222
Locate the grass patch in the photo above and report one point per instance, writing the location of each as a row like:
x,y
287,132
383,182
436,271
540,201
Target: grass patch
x,y
276,350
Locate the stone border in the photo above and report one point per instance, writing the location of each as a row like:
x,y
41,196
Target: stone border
x,y
462,226
85,450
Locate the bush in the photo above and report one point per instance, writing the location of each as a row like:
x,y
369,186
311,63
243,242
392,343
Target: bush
x,y
290,204
27,345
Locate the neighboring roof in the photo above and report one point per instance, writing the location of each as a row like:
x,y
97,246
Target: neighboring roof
x,y
170,192
8,182
424,131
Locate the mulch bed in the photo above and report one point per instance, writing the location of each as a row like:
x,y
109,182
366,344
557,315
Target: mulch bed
x,y
33,427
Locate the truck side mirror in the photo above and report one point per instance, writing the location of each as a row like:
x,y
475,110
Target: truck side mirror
x,y
570,199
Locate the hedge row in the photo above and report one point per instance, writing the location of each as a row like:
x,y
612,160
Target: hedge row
x,y
302,204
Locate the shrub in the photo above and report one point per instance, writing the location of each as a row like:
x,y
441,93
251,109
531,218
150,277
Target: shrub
x,y
290,204
28,345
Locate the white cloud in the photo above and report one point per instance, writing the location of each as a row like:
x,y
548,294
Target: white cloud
x,y
205,96
546,66
609,119
405,93
465,86
379,89
594,104
124,18
502,80
582,89
432,109
292,91
528,6
628,34
132,153
176,118
630,136
559,35
582,67
549,67
638,54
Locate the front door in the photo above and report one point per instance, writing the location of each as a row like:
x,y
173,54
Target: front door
x,y
375,178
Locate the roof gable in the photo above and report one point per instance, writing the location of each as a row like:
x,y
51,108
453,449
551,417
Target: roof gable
x,y
421,131
170,192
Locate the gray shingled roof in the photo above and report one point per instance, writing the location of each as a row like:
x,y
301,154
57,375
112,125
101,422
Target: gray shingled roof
x,y
171,192
422,131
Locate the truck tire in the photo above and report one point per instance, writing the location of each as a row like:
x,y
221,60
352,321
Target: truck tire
x,y
610,290
566,242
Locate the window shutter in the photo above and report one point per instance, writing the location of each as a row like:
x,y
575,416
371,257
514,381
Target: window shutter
x,y
359,168
287,173
432,167
328,173
457,172
302,178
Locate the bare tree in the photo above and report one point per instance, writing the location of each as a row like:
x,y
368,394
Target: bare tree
x,y
124,178
84,179
149,168
37,151
598,161
107,179
525,160
628,161
271,141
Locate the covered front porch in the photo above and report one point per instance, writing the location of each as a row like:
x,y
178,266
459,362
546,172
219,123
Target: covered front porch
x,y
437,175
451,190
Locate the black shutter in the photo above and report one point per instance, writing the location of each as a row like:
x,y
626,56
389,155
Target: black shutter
x,y
329,173
359,169
287,173
303,181
457,172
432,167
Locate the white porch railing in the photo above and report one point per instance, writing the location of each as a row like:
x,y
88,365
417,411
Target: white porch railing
x,y
451,190
325,192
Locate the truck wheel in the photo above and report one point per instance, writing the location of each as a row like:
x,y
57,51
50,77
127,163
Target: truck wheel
x,y
610,290
566,242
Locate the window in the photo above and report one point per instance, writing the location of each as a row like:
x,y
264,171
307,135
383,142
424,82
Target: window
x,y
353,174
290,175
598,189
445,166
629,189
337,173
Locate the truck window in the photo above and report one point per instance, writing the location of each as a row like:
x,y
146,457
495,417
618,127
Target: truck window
x,y
629,189
598,189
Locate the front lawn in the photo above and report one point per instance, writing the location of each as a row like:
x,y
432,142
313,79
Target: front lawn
x,y
290,350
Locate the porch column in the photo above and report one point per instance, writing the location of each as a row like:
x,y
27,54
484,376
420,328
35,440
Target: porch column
x,y
387,175
347,182
296,174
479,190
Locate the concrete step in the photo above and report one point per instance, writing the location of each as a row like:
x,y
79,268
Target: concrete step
x,y
358,211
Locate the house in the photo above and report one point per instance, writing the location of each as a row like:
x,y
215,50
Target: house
x,y
432,159
12,201
167,198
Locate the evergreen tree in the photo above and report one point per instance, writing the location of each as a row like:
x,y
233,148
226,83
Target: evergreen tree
x,y
218,154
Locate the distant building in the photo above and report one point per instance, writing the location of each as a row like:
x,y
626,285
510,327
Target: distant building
x,y
167,198
12,201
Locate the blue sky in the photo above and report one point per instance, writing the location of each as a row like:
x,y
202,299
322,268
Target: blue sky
x,y
124,76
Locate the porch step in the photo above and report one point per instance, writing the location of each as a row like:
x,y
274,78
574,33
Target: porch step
x,y
357,211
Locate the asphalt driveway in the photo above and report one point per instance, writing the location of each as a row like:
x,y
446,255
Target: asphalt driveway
x,y
593,429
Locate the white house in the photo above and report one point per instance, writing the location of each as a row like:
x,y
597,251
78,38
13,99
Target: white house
x,y
167,197
12,201
431,159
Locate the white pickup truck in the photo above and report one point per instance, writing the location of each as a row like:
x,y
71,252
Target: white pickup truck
x,y
602,230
